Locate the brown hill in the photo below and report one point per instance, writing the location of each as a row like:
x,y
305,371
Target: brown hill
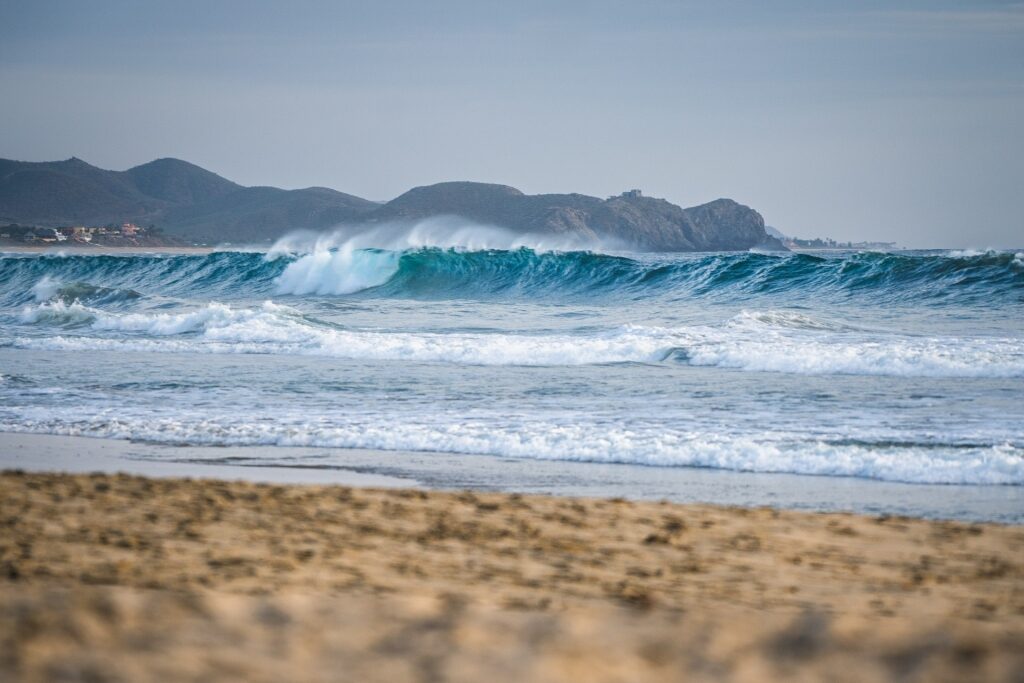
x,y
189,202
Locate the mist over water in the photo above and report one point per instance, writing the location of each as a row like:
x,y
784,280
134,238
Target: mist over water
x,y
442,232
444,336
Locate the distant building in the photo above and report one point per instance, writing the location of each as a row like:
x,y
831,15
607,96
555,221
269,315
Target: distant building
x,y
632,194
74,233
829,243
78,233
48,235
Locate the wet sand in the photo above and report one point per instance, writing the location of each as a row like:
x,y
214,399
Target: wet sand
x,y
456,471
115,577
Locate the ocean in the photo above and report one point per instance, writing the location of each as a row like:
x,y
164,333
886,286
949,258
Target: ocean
x,y
897,368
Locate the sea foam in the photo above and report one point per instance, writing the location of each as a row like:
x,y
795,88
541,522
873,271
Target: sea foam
x,y
769,341
341,271
998,464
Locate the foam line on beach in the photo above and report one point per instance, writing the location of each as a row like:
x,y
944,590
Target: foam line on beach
x,y
922,463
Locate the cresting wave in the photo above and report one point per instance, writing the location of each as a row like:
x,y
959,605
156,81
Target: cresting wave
x,y
561,355
764,341
918,278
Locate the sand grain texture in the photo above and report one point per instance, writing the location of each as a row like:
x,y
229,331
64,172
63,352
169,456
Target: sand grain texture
x,y
110,578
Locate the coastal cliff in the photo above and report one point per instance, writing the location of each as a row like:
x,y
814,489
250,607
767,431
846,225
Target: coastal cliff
x,y
640,222
191,203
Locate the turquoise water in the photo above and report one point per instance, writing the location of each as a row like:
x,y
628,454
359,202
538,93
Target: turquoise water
x,y
903,367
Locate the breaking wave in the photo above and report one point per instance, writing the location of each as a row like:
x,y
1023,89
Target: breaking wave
x,y
763,341
387,310
921,278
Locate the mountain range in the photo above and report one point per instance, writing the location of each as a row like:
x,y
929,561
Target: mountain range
x,y
191,203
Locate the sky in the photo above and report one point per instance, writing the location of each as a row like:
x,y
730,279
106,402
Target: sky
x,y
895,121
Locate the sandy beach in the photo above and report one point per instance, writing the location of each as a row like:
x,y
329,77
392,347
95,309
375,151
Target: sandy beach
x,y
455,342
117,577
455,471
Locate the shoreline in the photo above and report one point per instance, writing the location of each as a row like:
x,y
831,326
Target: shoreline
x,y
153,578
106,250
452,471
195,249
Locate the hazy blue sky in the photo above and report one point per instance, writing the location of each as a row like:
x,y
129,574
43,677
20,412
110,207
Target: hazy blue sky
x,y
859,120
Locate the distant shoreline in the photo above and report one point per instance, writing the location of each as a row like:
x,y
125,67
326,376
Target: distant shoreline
x,y
802,250
54,248
23,249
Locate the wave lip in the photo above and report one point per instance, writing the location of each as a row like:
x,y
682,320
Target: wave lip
x,y
337,272
887,278
408,269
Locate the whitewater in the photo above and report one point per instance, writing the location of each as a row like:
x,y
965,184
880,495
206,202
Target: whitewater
x,y
899,367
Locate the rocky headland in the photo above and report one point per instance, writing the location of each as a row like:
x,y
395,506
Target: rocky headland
x,y
189,203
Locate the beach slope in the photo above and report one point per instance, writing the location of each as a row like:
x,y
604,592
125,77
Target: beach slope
x,y
114,577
